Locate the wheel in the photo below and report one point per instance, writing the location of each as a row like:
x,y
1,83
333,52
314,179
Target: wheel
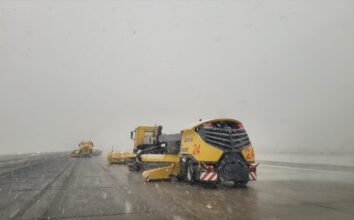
x,y
183,170
190,172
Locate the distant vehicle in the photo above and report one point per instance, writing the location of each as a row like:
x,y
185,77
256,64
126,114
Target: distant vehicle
x,y
85,150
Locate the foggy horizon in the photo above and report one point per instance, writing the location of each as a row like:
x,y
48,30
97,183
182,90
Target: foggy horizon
x,y
71,71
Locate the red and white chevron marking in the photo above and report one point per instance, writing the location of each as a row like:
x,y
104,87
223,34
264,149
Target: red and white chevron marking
x,y
253,165
252,175
208,176
146,176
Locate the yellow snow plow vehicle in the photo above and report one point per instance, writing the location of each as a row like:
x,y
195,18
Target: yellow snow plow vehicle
x,y
156,143
210,151
143,136
85,149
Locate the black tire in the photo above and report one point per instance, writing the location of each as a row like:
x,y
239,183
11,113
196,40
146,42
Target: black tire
x,y
182,166
190,172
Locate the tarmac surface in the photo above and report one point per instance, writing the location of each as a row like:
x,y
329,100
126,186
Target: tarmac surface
x,y
54,186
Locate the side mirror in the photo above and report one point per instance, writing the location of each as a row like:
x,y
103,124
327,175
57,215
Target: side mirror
x,y
132,135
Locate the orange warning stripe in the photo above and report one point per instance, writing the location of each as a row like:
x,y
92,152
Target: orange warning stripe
x,y
208,176
252,176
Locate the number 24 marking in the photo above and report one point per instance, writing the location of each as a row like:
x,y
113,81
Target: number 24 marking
x,y
249,154
196,150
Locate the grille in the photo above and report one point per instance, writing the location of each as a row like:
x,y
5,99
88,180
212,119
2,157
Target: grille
x,y
227,138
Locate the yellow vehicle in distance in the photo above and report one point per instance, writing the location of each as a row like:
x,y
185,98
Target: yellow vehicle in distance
x,y
211,151
85,150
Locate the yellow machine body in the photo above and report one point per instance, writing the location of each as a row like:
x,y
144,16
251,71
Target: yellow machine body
x,y
142,132
204,155
192,144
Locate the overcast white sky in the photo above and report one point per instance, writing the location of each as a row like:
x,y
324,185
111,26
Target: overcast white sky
x,y
94,70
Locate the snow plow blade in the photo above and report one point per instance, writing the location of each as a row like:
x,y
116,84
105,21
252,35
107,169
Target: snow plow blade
x,y
160,158
75,153
119,157
161,173
169,166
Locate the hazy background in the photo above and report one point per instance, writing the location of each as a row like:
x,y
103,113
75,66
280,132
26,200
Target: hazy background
x,y
94,70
